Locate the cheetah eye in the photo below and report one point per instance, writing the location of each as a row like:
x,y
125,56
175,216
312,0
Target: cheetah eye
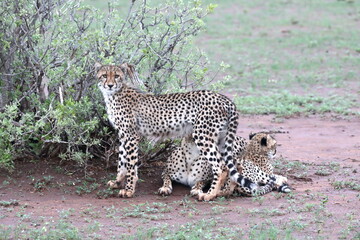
x,y
117,76
104,76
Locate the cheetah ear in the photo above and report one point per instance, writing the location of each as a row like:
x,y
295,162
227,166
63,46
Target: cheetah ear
x,y
263,141
251,135
129,70
97,66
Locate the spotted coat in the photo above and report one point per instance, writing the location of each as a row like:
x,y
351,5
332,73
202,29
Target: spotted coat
x,y
210,118
252,161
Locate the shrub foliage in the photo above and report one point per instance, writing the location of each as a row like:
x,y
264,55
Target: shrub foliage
x,y
49,103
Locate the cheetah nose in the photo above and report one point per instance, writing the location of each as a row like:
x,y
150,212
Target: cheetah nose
x,y
110,86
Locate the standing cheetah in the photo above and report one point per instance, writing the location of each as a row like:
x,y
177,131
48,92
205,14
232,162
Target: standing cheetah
x,y
209,117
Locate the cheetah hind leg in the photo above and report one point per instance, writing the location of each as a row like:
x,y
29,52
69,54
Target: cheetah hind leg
x,y
227,189
222,178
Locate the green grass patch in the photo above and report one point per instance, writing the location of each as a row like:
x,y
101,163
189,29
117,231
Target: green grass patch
x,y
9,203
346,184
268,45
287,104
209,228
59,230
151,211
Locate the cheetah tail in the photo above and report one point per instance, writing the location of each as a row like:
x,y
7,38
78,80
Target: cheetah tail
x,y
262,190
235,176
284,188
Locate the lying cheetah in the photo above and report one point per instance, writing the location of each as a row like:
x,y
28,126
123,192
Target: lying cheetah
x,y
252,160
209,117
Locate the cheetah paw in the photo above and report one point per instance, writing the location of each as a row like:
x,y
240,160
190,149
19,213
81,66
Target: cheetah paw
x,y
165,191
125,193
113,184
280,180
196,192
206,197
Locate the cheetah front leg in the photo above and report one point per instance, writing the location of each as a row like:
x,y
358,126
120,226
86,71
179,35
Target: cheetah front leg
x,y
166,188
114,184
121,170
131,149
127,168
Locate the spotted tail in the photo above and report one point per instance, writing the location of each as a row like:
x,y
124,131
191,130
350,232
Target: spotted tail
x,y
284,188
227,154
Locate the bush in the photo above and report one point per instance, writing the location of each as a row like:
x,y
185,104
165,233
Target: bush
x,y
18,132
49,104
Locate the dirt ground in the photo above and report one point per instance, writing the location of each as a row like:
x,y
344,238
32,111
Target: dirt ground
x,y
319,155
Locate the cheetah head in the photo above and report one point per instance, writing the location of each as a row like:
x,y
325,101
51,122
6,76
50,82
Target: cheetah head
x,y
263,143
111,78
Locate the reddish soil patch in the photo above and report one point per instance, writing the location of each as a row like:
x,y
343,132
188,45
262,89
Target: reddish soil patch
x,y
318,155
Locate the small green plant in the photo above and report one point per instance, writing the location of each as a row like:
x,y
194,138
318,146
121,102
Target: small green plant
x,y
267,212
288,166
106,193
42,183
9,203
65,214
308,207
217,210
258,199
6,183
86,187
322,171
298,224
346,184
264,231
93,227
90,212
152,211
111,211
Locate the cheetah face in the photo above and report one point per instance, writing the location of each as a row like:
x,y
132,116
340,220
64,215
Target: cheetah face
x,y
264,143
110,78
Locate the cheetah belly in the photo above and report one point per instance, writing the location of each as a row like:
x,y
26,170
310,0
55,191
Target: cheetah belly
x,y
192,154
187,175
199,170
186,179
155,129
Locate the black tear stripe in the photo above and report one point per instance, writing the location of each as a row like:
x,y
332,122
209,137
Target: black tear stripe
x,y
263,141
